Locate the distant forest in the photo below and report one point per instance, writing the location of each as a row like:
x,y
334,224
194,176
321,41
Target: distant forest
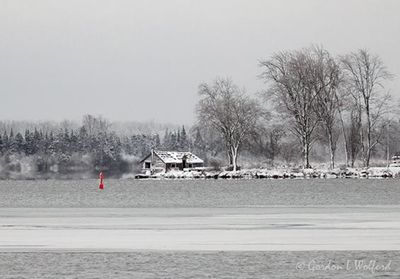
x,y
83,151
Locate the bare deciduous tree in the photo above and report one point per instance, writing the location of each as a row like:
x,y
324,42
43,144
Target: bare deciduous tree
x,y
354,140
266,140
291,75
225,107
94,124
365,74
326,80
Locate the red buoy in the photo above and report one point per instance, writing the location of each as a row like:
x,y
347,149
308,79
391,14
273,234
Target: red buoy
x,y
101,176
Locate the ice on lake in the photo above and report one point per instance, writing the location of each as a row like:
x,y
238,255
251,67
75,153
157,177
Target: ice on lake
x,y
201,229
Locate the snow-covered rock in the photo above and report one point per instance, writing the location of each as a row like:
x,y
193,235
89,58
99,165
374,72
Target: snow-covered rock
x,y
379,172
395,171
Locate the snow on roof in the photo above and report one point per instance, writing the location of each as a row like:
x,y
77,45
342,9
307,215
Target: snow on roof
x,y
176,157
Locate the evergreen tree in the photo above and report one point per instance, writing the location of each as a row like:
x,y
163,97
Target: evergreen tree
x,y
19,143
184,145
156,141
29,148
73,140
83,140
1,145
52,145
12,144
45,144
166,140
126,146
37,140
5,143
66,142
178,141
172,145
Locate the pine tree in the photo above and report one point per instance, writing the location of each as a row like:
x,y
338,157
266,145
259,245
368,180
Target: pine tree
x,y
19,143
156,142
73,142
12,144
66,142
1,145
36,141
83,140
5,142
166,140
172,145
29,148
126,145
178,141
52,149
184,140
46,144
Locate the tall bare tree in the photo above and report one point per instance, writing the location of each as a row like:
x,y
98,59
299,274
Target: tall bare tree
x,y
355,133
326,80
292,88
94,125
225,108
366,74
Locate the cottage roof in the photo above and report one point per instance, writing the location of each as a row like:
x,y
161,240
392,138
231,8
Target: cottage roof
x,y
176,157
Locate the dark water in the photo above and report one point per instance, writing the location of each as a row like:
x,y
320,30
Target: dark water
x,y
199,193
199,265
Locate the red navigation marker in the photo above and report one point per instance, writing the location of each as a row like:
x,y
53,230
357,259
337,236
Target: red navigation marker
x,y
101,176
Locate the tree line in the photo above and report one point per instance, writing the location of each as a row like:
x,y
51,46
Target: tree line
x,y
320,98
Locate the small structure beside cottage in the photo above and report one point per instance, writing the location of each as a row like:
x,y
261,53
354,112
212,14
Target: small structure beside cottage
x,y
164,161
395,160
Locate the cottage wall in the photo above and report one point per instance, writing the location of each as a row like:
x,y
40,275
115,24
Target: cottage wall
x,y
157,163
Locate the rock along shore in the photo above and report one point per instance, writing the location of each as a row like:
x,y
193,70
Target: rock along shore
x,y
373,172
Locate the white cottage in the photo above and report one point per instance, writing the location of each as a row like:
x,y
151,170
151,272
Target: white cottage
x,y
158,161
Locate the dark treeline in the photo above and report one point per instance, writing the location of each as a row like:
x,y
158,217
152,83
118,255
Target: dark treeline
x,y
64,152
81,152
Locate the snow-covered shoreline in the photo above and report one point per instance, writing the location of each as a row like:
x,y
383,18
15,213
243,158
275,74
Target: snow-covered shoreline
x,y
278,173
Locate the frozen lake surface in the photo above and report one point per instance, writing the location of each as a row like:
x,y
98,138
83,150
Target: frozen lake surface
x,y
201,229
198,229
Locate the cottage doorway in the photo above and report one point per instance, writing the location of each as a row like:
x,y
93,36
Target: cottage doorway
x,y
184,159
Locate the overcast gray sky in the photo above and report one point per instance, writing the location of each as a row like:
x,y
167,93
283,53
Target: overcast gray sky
x,y
143,60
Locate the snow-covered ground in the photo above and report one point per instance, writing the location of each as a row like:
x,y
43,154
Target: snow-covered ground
x,y
319,172
201,229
